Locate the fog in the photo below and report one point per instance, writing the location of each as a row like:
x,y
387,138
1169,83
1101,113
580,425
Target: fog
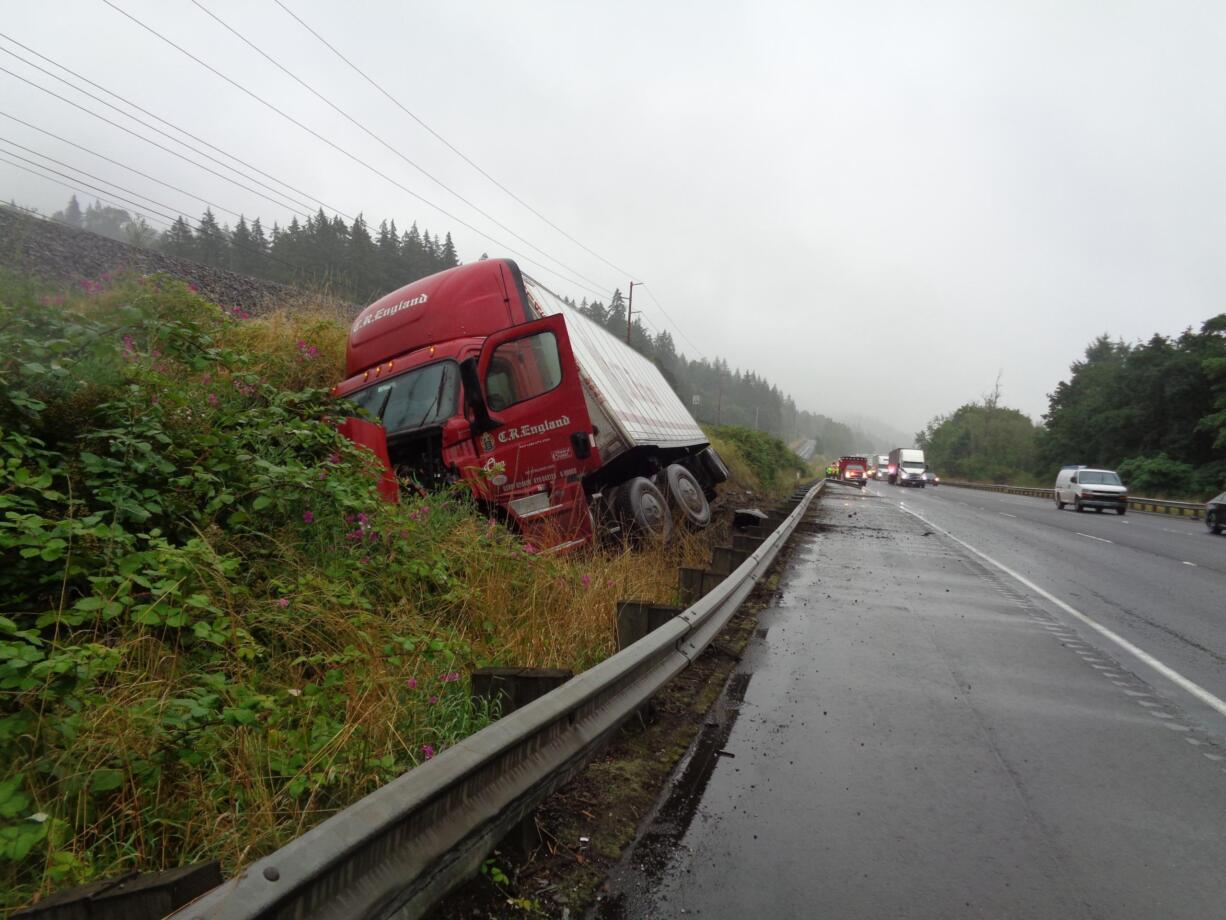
x,y
880,207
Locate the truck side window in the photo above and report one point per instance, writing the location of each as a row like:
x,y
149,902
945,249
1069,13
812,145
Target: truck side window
x,y
522,370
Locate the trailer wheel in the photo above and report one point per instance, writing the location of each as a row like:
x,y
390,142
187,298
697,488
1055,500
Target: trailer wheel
x,y
687,496
645,509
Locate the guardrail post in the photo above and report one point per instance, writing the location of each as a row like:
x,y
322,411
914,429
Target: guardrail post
x,y
696,584
746,542
725,559
635,619
516,687
130,897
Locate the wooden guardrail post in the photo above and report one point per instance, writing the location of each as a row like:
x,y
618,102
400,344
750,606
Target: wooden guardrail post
x,y
148,896
635,619
516,687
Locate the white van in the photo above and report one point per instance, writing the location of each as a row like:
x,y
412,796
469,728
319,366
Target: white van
x,y
1083,487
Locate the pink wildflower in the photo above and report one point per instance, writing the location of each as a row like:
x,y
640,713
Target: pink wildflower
x,y
212,399
334,458
529,548
193,288
411,683
308,517
449,677
283,602
427,750
587,580
433,700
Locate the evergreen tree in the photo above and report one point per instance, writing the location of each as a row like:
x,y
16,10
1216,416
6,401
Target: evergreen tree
x,y
450,260
615,316
212,247
242,259
71,215
360,262
179,240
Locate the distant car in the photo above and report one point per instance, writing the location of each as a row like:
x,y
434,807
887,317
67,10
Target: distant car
x,y
932,478
1215,513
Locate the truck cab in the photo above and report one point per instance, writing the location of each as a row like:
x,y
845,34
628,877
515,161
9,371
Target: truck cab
x,y
473,375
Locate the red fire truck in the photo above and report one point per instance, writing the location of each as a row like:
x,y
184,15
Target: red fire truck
x,y
853,469
482,375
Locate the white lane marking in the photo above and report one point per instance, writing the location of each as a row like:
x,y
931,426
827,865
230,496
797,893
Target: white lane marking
x,y
1006,514
1192,741
1211,756
1175,728
1193,564
1092,537
1190,687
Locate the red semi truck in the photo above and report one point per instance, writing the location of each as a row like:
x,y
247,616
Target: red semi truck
x,y
482,375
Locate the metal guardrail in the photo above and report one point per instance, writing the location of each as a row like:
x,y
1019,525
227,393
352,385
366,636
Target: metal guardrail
x,y
401,848
1152,505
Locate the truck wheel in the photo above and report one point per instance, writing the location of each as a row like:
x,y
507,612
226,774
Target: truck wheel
x,y
645,509
1059,504
1211,521
1077,505
687,496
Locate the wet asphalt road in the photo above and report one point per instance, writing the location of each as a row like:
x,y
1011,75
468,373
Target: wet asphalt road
x,y
916,734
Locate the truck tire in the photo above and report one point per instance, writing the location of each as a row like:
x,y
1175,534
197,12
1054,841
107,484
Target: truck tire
x,y
644,509
687,496
1059,504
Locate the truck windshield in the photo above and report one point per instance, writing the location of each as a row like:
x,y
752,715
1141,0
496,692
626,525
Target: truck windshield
x,y
416,399
1098,478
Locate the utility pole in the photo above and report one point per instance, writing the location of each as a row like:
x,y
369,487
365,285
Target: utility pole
x,y
630,309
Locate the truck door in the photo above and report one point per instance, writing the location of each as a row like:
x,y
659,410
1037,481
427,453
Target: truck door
x,y
537,443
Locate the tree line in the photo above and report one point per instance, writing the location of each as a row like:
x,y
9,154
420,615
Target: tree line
x,y
359,264
1155,411
349,259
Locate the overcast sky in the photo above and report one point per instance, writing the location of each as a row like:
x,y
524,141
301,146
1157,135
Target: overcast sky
x,y
878,206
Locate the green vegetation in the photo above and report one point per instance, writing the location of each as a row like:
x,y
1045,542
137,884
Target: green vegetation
x,y
1154,411
770,464
212,632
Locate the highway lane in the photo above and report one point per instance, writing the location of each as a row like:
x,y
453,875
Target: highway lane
x,y
1158,581
916,734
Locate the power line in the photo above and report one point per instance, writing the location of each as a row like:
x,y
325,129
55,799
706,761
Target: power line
x,y
182,131
143,212
147,140
672,321
109,182
395,150
304,208
131,203
444,140
74,188
342,150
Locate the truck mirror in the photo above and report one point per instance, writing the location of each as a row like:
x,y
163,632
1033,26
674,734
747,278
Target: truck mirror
x,y
483,421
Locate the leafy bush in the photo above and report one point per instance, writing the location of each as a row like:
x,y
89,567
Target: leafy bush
x,y
1162,477
771,461
212,632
